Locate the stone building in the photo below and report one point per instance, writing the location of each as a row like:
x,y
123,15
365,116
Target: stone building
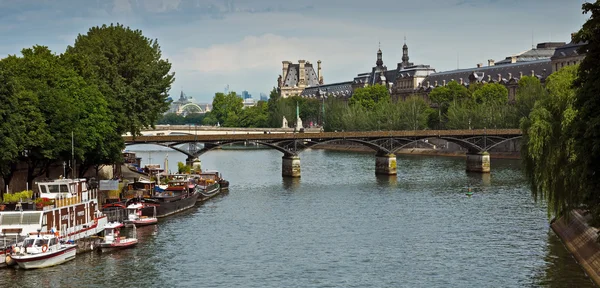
x,y
567,55
409,79
297,77
534,62
404,77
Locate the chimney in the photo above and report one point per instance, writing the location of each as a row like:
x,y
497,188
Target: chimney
x,y
428,84
489,78
509,76
499,77
513,59
491,62
319,75
461,81
444,82
286,65
301,73
479,65
520,74
532,73
435,83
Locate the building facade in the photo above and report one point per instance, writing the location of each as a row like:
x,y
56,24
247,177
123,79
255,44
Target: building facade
x,y
297,77
408,79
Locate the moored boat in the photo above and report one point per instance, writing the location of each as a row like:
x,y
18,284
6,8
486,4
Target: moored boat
x,y
43,250
135,217
113,239
180,195
72,211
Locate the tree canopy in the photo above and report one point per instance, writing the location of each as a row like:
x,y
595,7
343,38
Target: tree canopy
x,y
367,97
128,69
586,127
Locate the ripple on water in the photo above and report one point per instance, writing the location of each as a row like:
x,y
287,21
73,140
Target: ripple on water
x,y
338,226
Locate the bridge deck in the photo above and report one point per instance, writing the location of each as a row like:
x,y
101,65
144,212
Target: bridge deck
x,y
324,135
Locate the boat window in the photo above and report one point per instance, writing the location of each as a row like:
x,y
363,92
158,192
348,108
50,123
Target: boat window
x,y
52,242
41,242
62,188
44,188
28,242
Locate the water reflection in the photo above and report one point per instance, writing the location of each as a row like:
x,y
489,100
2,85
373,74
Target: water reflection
x,y
480,179
560,267
291,183
387,180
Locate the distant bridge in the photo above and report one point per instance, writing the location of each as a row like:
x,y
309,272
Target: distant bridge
x,y
384,143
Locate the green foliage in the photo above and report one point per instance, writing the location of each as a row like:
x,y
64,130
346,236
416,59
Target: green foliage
x,y
310,110
369,96
530,90
17,197
227,109
174,119
443,96
491,93
128,69
586,124
182,168
548,147
411,114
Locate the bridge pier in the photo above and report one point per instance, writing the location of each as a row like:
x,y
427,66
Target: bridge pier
x,y
290,166
385,164
478,162
195,163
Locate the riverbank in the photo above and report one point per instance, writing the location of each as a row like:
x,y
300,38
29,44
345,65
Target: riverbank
x,y
581,240
415,151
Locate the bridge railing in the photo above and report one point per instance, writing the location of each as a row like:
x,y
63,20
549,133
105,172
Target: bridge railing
x,y
324,135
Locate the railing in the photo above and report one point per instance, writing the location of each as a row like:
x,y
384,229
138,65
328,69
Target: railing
x,y
117,215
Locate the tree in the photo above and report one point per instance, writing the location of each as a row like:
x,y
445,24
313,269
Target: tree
x,y
227,109
491,93
171,119
128,69
548,146
368,96
10,126
59,106
529,91
586,127
443,96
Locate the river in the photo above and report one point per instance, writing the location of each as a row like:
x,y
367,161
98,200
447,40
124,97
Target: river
x,y
337,226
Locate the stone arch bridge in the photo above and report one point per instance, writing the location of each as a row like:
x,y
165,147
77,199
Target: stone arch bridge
x,y
384,143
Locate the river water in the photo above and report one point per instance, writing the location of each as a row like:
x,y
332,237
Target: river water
x,y
337,226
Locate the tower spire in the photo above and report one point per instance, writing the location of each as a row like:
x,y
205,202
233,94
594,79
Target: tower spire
x,y
379,62
405,58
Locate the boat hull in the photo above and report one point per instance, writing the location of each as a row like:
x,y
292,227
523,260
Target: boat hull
x,y
166,208
145,222
124,244
209,192
46,259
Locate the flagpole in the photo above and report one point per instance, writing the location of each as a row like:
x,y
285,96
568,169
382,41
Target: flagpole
x,y
73,155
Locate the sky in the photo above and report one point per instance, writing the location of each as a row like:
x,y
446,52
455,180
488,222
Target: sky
x,y
241,43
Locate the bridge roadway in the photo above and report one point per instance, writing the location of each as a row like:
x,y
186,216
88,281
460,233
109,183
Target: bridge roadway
x,y
385,143
212,130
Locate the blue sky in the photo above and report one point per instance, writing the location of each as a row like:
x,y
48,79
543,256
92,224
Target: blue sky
x,y
241,43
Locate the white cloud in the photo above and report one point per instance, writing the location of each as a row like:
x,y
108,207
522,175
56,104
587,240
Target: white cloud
x,y
159,6
121,7
263,52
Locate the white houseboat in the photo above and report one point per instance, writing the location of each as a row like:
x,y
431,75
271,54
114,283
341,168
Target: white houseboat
x,y
73,214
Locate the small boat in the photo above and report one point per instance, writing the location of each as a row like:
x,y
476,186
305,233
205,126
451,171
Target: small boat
x,y
113,239
43,250
134,215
